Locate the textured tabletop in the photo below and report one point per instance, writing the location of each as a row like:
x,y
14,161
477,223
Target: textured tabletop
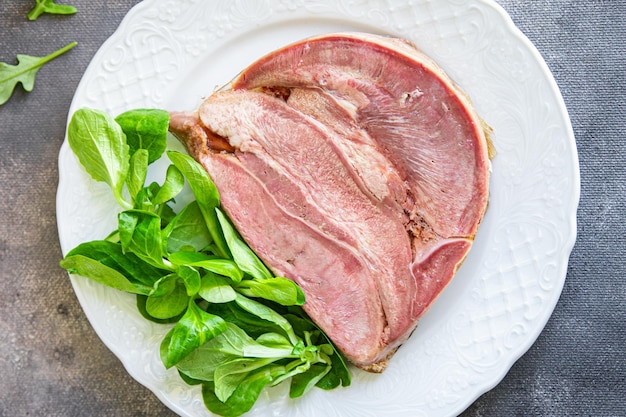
x,y
53,364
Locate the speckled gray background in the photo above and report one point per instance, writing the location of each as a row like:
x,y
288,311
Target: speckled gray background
x,y
53,364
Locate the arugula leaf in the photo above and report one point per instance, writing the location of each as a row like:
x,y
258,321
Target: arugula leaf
x,y
145,129
100,145
24,72
193,329
49,6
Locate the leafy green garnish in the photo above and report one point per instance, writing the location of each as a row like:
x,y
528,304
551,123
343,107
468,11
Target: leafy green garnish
x,y
49,6
242,254
100,145
145,129
237,328
123,269
24,72
192,331
206,194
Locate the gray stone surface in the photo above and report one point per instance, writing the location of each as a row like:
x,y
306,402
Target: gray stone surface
x,y
53,364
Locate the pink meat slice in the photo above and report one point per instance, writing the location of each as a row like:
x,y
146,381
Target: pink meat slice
x,y
409,106
362,176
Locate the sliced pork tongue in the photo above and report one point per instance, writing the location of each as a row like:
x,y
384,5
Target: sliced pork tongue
x,y
353,165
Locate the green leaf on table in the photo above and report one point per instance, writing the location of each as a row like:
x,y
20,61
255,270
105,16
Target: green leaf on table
x,y
24,72
194,329
100,145
145,129
49,6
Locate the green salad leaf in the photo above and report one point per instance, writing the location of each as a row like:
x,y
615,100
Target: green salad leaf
x,y
49,6
137,172
145,129
100,145
168,299
187,231
235,328
24,72
192,331
206,194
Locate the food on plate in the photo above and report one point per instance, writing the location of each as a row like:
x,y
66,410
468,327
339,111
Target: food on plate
x,y
353,165
234,327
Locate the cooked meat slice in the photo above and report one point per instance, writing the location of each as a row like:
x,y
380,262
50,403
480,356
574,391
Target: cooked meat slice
x,y
351,164
421,120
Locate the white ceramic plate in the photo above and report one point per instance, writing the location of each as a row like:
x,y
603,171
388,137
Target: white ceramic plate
x,y
169,54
